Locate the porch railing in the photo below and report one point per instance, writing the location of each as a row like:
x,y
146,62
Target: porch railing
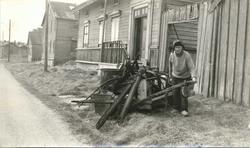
x,y
113,52
89,54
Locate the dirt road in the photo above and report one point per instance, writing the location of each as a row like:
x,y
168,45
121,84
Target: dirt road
x,y
25,121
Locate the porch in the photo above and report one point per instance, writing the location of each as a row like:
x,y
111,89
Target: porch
x,y
108,54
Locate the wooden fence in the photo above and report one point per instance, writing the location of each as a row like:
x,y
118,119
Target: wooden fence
x,y
223,51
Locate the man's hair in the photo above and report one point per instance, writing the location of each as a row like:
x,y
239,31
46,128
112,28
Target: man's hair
x,y
178,43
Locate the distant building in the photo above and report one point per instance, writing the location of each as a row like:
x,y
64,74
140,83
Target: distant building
x,y
34,43
62,31
14,49
18,52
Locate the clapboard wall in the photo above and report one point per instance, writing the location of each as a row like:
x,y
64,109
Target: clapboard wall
x,y
187,33
223,50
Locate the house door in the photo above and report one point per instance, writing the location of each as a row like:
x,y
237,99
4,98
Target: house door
x,y
140,38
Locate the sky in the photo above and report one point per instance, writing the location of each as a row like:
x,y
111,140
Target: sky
x,y
25,15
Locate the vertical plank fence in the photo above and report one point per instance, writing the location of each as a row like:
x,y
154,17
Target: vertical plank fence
x,y
223,51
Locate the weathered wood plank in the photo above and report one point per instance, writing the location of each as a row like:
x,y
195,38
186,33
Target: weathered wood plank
x,y
213,52
191,39
224,46
199,54
187,34
163,43
218,52
232,48
208,44
240,52
246,82
201,49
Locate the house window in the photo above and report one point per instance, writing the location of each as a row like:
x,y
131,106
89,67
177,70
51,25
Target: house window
x,y
100,31
115,28
86,35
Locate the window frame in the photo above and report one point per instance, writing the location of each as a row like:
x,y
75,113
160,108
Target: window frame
x,y
115,31
101,25
85,42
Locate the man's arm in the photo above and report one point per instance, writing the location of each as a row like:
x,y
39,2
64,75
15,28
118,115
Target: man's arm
x,y
170,64
191,67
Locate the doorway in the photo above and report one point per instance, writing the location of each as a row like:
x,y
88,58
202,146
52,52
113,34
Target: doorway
x,y
179,22
140,38
187,32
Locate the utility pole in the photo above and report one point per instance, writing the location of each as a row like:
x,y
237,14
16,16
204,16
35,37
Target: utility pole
x,y
103,28
2,36
9,40
46,37
1,39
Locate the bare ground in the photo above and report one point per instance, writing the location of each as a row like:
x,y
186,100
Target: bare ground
x,y
211,123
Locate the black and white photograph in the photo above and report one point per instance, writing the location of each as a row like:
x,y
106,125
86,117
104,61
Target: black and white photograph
x,y
124,73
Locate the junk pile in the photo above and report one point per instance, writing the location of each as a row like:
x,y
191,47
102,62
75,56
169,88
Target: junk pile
x,y
129,89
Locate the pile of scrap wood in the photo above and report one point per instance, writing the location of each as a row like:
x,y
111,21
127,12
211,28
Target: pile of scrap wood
x,y
131,89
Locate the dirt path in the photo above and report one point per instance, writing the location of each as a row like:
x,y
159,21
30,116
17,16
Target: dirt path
x,y
25,121
212,122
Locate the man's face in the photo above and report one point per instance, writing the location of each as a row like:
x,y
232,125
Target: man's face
x,y
178,49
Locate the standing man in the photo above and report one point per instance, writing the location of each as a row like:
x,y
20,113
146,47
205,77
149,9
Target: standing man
x,y
181,68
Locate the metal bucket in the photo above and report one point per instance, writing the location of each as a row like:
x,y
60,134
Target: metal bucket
x,y
100,108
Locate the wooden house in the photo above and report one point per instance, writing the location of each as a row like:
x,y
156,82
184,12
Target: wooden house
x,y
62,30
210,31
34,43
91,24
137,23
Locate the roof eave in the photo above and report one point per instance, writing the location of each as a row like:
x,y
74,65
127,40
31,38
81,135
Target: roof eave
x,y
84,4
63,18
